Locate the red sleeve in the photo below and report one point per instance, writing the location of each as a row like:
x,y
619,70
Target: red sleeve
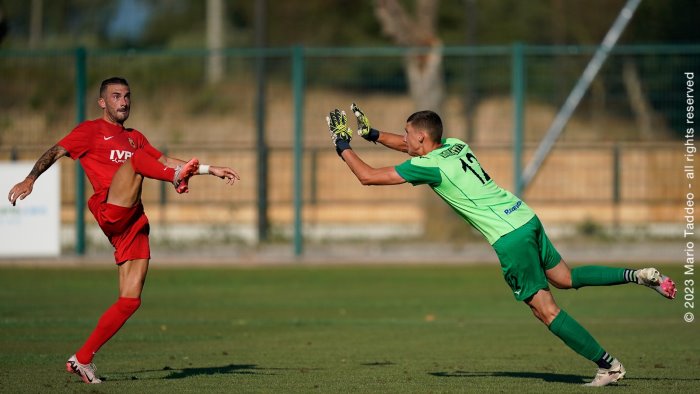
x,y
145,145
77,142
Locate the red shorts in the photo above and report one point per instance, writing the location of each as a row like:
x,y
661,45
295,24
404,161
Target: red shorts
x,y
126,228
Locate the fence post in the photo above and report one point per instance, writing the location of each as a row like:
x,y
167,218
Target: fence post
x,y
298,93
518,93
260,110
616,184
80,86
313,182
262,149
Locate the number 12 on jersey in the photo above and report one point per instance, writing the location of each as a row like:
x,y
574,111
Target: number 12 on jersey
x,y
472,160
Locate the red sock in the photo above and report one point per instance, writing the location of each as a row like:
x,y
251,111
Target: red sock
x,y
150,167
108,325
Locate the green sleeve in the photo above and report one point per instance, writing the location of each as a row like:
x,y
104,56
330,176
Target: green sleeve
x,y
419,175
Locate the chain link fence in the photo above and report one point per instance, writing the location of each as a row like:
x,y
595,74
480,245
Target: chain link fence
x,y
620,160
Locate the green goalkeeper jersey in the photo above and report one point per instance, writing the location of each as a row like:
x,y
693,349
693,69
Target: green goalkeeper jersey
x,y
453,172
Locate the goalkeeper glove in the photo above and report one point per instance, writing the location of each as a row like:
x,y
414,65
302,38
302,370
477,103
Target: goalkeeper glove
x,y
364,130
341,134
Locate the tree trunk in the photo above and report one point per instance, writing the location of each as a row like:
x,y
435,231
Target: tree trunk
x,y
215,41
638,101
425,79
470,65
426,84
423,70
36,24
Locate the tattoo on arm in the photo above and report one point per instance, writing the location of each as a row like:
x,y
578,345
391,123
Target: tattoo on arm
x,y
171,161
46,160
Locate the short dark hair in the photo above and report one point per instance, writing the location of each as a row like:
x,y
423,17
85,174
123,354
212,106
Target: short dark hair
x,y
112,81
428,121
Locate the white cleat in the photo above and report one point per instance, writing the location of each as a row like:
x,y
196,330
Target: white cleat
x,y
85,371
651,277
605,376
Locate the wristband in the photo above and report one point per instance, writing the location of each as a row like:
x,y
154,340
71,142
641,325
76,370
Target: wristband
x,y
373,135
342,145
203,169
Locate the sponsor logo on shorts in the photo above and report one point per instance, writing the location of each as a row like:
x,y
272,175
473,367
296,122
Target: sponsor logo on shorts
x,y
513,208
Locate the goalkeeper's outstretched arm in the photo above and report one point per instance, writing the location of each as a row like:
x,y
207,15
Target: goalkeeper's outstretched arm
x,y
366,131
392,141
368,175
341,135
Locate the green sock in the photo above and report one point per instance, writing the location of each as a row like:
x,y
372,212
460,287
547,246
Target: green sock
x,y
576,337
593,275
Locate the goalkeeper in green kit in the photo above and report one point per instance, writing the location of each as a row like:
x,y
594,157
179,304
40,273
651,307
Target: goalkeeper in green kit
x,y
528,259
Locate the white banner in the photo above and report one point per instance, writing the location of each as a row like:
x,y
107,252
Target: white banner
x,y
32,227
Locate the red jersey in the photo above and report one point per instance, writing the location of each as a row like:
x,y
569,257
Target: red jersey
x,y
102,148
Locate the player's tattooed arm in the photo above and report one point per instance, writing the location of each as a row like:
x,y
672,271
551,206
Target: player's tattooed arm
x,y
46,160
24,188
171,161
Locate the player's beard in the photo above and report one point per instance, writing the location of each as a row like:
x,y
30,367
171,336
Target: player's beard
x,y
119,116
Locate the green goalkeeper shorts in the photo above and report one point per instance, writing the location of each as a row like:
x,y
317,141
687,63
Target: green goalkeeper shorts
x,y
525,254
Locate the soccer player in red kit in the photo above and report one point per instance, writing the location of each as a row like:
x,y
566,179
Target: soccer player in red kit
x,y
116,159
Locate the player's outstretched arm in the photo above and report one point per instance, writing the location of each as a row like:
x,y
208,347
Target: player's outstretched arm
x,y
228,174
368,175
171,161
393,141
24,188
341,135
366,131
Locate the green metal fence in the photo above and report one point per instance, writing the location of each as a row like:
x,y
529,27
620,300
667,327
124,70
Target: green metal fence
x,y
629,120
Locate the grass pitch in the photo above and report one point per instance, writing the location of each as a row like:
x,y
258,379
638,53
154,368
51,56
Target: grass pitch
x,y
333,329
